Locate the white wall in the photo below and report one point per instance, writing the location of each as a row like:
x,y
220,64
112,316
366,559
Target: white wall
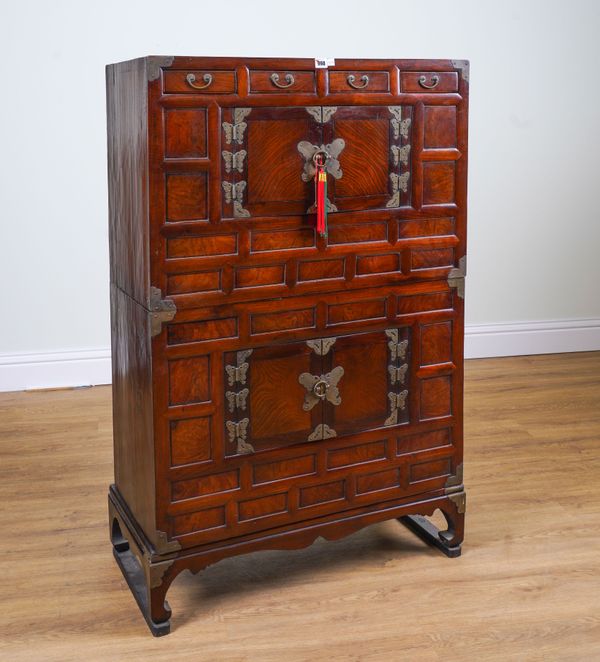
x,y
534,233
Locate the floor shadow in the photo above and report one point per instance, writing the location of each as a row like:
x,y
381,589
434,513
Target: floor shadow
x,y
375,546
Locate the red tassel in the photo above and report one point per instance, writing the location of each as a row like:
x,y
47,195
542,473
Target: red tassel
x,y
320,195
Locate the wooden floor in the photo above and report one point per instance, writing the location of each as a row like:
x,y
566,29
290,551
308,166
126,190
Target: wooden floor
x,y
526,588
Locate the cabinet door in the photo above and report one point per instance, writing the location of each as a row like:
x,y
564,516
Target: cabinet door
x,y
374,390
268,166
262,167
264,399
314,390
375,160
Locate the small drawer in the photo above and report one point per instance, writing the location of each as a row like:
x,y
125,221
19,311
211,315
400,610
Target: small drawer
x,y
359,81
199,82
275,82
429,81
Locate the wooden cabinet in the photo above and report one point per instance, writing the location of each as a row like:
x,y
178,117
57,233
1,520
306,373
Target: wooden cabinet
x,y
273,384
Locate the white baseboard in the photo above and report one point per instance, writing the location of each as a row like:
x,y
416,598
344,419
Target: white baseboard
x,y
86,367
519,338
20,372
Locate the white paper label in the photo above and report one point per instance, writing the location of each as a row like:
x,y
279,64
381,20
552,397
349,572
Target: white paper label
x,y
324,62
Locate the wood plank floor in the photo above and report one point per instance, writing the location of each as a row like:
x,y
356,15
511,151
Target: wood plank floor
x,y
526,588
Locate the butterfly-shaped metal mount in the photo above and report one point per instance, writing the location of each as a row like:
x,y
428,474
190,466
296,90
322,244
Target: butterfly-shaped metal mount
x,y
235,132
234,160
236,374
397,402
321,387
398,374
397,349
234,193
237,400
332,164
238,433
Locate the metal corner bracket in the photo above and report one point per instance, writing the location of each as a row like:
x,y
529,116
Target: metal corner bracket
x,y
155,63
456,277
459,499
463,65
161,310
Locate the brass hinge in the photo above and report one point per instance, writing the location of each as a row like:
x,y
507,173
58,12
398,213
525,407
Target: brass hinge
x,y
161,310
456,277
455,483
455,489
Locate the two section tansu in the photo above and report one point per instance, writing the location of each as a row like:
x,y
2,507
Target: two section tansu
x,y
273,383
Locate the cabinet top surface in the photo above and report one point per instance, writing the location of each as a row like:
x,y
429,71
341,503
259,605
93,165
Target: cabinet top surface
x,y
340,63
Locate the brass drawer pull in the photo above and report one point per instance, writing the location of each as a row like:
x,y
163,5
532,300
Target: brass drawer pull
x,y
191,79
435,79
289,81
364,80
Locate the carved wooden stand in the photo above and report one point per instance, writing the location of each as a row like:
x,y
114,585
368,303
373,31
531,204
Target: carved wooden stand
x,y
149,575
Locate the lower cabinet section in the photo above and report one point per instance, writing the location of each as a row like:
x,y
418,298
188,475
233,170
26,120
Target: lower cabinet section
x,y
309,480
262,436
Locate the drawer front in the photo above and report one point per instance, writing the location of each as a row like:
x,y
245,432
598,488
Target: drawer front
x,y
195,81
359,81
429,81
276,82
311,481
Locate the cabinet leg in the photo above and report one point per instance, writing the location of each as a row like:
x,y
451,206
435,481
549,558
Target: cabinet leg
x,y
449,541
145,581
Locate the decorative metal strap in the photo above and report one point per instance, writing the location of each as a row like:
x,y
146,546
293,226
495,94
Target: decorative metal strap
x,y
400,154
397,352
236,400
